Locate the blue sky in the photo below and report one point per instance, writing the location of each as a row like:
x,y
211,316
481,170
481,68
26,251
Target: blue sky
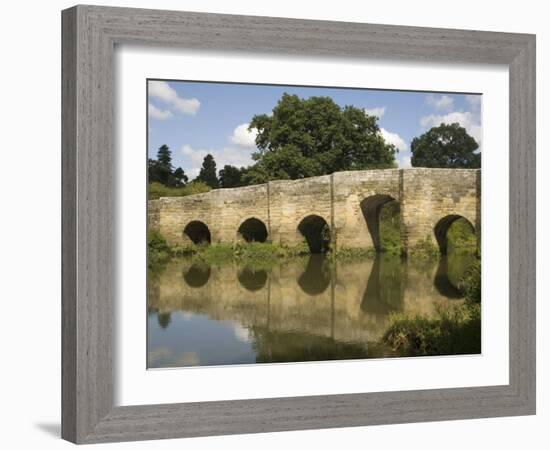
x,y
197,118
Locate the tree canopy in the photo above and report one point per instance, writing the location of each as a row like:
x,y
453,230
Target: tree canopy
x,y
447,146
231,176
208,173
314,136
162,171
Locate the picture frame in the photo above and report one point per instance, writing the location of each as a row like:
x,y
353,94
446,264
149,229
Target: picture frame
x,y
90,34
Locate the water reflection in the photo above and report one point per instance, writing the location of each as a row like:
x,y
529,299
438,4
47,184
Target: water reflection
x,y
449,272
385,289
197,275
231,314
251,279
315,279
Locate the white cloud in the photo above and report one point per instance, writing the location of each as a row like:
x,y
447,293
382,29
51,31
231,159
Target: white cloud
x,y
404,160
394,138
467,119
238,157
379,112
162,91
474,101
157,113
443,103
244,138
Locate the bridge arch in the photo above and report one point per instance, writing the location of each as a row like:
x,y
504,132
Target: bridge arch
x,y
316,232
198,232
253,230
371,208
442,227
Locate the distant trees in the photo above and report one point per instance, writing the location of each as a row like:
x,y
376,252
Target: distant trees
x,y
448,145
315,136
162,171
231,176
208,174
180,176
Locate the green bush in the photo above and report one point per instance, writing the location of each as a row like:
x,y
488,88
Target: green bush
x,y
390,230
158,250
157,190
456,330
470,284
461,238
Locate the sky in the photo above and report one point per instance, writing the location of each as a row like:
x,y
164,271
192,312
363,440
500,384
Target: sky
x,y
197,118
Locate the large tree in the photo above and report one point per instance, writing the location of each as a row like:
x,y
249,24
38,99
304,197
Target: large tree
x,y
161,169
207,173
164,156
448,145
315,136
231,176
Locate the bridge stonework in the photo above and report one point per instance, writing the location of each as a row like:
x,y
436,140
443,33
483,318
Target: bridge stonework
x,y
430,200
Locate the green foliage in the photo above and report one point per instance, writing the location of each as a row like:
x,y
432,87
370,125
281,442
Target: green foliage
x,y
180,176
461,238
215,254
424,249
390,230
314,136
158,250
207,173
231,176
447,146
157,190
161,170
354,253
456,330
470,283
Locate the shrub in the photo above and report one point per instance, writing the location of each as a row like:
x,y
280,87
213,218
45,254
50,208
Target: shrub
x,y
157,190
461,238
158,250
456,330
470,284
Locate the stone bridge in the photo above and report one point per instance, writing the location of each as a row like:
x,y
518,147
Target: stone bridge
x,y
336,211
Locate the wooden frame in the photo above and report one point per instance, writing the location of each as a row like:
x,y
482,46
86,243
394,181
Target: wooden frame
x,y
90,34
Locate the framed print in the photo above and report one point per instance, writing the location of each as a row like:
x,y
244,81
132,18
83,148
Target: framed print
x,y
278,224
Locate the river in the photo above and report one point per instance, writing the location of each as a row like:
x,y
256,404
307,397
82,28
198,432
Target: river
x,y
302,309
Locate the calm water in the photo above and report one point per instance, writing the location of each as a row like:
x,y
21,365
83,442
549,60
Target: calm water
x,y
307,309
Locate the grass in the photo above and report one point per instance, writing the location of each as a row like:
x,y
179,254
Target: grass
x,y
256,254
157,190
354,253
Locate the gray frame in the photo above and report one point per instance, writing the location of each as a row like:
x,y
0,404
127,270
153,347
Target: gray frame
x,y
90,34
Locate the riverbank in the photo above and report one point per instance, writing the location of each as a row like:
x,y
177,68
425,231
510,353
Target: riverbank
x,y
455,331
